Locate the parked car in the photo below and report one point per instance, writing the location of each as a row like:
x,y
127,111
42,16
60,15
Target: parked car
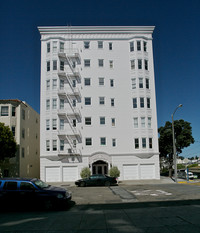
x,y
96,180
183,175
21,192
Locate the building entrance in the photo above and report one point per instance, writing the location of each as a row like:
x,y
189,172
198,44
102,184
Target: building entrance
x,y
100,167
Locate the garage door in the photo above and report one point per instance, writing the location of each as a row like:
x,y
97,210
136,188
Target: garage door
x,y
52,174
130,172
70,173
147,171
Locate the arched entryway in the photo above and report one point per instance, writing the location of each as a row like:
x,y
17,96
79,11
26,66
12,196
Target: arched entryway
x,y
100,167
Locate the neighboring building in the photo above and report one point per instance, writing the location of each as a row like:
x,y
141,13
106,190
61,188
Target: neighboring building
x,y
98,104
24,123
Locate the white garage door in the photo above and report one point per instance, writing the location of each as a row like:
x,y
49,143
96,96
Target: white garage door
x,y
52,174
70,173
147,171
130,172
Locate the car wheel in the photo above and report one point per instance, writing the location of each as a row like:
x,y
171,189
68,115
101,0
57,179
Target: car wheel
x,y
82,184
107,183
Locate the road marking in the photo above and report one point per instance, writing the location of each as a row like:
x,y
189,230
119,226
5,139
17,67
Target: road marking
x,y
154,193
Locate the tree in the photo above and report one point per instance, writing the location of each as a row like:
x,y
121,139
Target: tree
x,y
183,138
114,172
8,146
85,172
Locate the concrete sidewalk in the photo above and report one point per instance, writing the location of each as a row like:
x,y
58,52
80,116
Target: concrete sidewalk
x,y
163,180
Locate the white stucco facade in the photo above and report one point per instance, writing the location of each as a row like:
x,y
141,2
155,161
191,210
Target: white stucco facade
x,y
98,105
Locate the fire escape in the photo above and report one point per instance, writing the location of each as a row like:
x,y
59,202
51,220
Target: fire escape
x,y
69,74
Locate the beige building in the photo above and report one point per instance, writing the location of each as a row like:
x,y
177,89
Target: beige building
x,y
24,122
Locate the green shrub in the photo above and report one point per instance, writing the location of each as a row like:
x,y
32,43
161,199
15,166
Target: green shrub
x,y
85,172
193,165
180,166
114,172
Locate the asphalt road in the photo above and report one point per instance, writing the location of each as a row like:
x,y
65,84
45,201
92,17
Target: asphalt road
x,y
167,208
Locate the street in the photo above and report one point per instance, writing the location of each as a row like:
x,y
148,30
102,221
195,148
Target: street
x,y
116,209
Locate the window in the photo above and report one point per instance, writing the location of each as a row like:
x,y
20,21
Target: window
x,y
133,83
62,65
138,45
74,102
146,64
148,103
132,64
87,81
62,83
74,143
87,63
13,130
54,124
73,83
135,122
54,46
114,142
100,44
48,65
134,102
136,143
142,122
23,152
87,100
10,185
147,83
55,65
150,143
144,143
74,122
47,124
110,46
145,46
23,133
54,84
47,104
48,85
54,104
140,82
48,47
101,100
112,102
26,186
62,122
54,145
62,45
111,82
88,121
13,111
101,81
141,102
131,46
62,102
113,121
47,145
111,64
88,141
139,64
103,141
4,111
102,121
149,122
100,62
23,114
86,44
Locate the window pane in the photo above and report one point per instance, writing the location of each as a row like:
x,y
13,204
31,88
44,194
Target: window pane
x,y
87,101
4,111
87,120
87,81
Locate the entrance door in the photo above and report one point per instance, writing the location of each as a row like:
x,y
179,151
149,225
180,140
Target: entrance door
x,y
100,167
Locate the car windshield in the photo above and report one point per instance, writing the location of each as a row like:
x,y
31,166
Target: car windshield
x,y
41,184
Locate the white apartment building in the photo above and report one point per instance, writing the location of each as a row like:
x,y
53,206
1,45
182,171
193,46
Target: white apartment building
x,y
98,104
24,123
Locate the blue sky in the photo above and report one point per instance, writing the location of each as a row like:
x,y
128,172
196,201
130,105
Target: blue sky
x,y
176,48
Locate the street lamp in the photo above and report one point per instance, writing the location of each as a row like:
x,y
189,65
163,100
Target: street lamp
x,y
174,145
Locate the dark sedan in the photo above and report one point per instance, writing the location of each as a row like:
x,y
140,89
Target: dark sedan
x,y
96,180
